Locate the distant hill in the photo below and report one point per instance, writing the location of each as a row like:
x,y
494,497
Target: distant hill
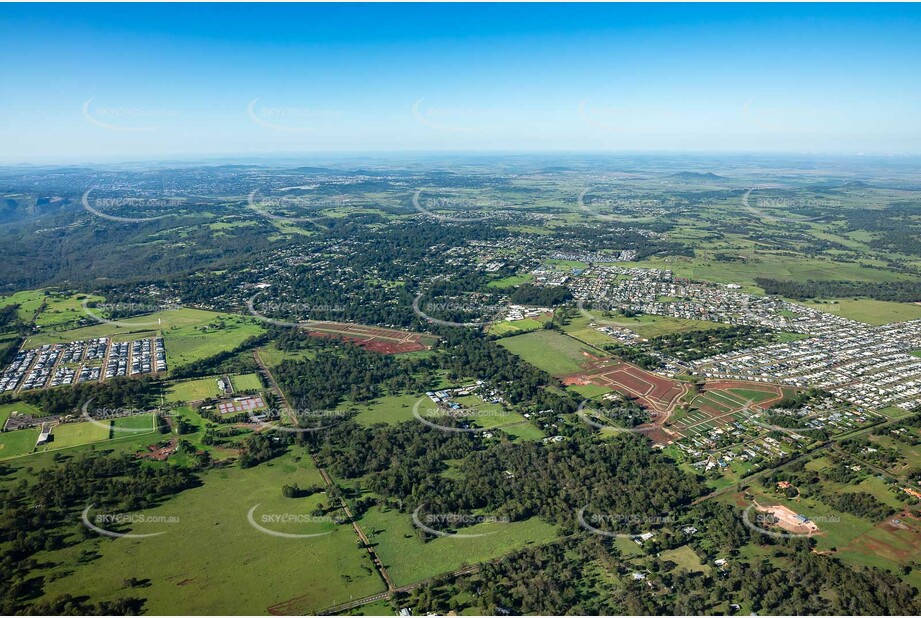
x,y
313,170
697,176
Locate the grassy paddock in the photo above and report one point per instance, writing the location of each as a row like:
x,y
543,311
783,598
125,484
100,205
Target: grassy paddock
x,y
208,559
548,350
869,311
408,559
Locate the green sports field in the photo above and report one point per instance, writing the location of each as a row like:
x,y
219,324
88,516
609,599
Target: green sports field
x,y
132,424
517,326
192,390
77,434
16,443
246,382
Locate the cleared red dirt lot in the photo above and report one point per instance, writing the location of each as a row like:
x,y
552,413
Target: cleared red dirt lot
x,y
373,338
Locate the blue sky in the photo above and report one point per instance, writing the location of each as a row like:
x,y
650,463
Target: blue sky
x,y
99,82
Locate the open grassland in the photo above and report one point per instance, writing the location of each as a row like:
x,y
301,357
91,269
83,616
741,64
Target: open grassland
x,y
189,334
272,356
408,559
57,308
870,311
646,326
548,350
29,302
388,410
524,431
63,309
685,558
590,390
225,565
877,488
765,264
